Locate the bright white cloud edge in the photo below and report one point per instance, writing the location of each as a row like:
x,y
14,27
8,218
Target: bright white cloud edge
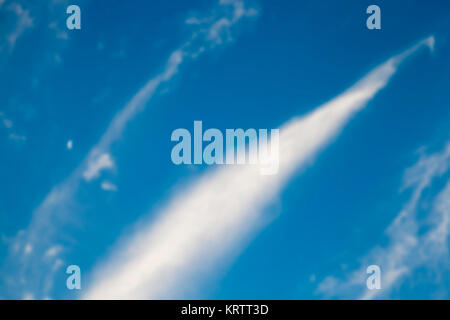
x,y
203,224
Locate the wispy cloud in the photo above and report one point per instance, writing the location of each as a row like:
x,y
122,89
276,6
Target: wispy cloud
x,y
56,209
20,17
24,21
8,125
201,226
408,249
53,251
108,186
95,167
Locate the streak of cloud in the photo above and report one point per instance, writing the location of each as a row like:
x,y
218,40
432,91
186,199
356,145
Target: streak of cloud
x,y
24,21
103,162
204,224
56,209
108,186
407,248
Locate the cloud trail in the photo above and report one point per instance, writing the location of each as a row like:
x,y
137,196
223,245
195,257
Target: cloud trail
x,y
24,21
55,211
202,225
407,248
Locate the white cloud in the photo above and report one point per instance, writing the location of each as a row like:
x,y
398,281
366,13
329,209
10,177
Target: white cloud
x,y
28,248
24,22
17,138
221,26
197,21
53,213
407,249
102,162
108,186
57,264
53,251
202,226
7,123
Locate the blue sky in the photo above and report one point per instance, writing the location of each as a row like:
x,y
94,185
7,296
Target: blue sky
x,y
374,190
